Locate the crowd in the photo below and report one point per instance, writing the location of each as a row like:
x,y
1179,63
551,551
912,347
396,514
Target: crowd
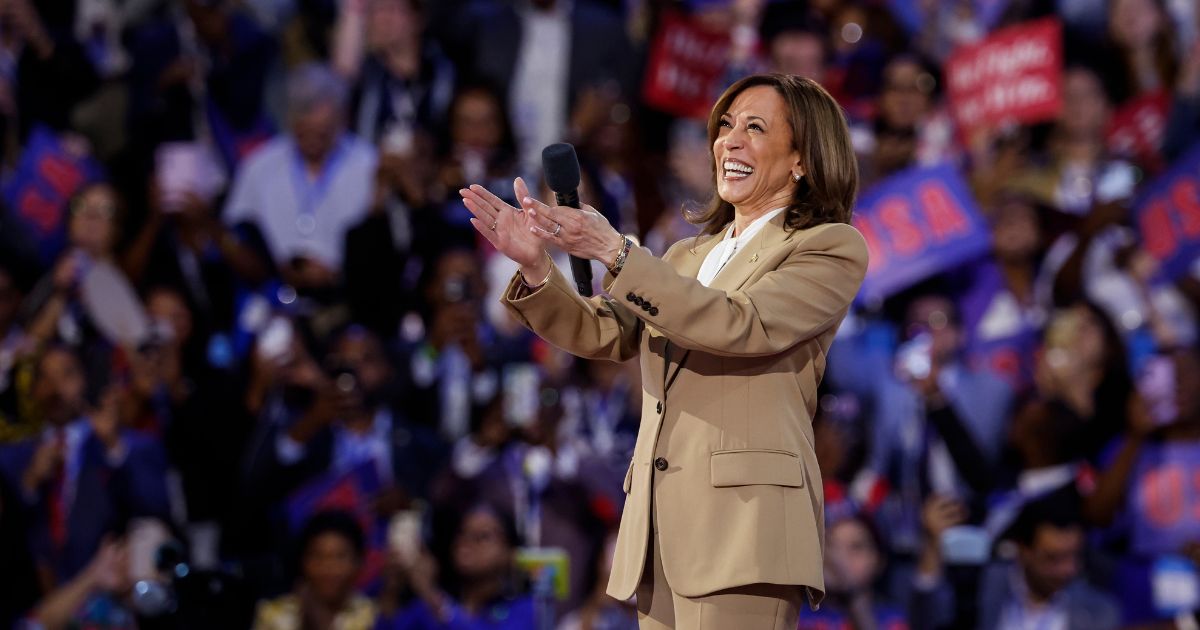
x,y
254,370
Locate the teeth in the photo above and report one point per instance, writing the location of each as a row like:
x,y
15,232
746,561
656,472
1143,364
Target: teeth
x,y
730,165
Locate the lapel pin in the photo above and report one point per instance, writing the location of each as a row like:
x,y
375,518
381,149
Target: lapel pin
x,y
754,258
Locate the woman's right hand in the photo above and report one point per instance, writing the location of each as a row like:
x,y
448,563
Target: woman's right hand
x,y
507,228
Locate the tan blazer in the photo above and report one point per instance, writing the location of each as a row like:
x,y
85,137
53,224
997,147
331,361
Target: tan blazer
x,y
724,454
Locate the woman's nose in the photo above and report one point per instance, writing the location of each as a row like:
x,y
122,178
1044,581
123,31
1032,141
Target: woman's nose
x,y
733,139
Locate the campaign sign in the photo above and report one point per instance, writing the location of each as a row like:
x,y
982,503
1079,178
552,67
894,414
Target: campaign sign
x,y
685,63
49,172
1136,129
918,223
1168,216
353,492
1015,75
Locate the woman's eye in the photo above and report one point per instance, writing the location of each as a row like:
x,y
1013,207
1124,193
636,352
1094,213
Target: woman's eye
x,y
755,127
725,123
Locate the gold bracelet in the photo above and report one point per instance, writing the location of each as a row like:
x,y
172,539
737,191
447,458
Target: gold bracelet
x,y
544,280
622,254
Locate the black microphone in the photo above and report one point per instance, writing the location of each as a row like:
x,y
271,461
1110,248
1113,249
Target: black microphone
x,y
561,169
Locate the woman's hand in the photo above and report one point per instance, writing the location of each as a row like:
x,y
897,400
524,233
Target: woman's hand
x,y
508,229
584,232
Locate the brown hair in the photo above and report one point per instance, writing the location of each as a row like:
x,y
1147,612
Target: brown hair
x,y
819,132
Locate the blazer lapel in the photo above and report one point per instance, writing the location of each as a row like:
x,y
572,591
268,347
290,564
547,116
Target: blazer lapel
x,y
745,262
735,274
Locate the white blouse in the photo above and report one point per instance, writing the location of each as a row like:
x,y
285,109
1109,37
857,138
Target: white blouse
x,y
729,245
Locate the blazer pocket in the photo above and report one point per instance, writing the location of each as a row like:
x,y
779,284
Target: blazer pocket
x,y
747,467
628,483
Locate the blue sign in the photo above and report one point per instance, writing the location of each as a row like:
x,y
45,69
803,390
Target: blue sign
x,y
920,222
1168,216
48,174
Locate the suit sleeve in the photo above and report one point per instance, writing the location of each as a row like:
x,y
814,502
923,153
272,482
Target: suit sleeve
x,y
592,328
809,292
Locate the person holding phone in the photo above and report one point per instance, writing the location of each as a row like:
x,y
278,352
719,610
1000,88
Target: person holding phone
x,y
723,524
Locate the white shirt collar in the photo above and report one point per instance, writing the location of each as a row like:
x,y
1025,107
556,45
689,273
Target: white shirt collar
x,y
724,250
754,227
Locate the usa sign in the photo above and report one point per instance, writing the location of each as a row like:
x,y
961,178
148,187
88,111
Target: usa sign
x,y
918,223
1168,216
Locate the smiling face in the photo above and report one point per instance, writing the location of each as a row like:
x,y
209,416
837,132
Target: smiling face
x,y
755,152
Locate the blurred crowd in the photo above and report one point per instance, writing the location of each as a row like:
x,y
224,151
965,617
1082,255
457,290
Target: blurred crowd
x,y
254,372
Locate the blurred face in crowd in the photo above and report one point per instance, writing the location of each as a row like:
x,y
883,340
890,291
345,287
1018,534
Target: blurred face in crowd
x,y
476,123
1135,23
330,567
10,301
848,28
166,305
316,130
457,281
60,388
1016,233
905,96
391,23
852,559
1076,333
936,316
209,19
481,550
692,174
1085,109
93,220
1051,562
361,352
755,135
801,53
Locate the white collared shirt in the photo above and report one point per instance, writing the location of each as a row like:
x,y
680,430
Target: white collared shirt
x,y
729,245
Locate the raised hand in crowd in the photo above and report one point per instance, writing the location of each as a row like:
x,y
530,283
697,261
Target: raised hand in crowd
x,y
46,461
938,514
107,574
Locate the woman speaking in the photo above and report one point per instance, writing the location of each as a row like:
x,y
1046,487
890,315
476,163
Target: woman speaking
x,y
723,524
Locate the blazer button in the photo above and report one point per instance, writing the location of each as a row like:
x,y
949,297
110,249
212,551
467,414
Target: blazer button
x,y
658,407
660,464
630,297
646,306
653,310
637,299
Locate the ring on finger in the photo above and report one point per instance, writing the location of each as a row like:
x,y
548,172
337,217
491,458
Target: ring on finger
x,y
557,229
494,224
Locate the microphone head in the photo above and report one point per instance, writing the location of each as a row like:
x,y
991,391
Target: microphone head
x,y
561,167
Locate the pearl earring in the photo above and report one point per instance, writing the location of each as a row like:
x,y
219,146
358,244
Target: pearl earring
x,y
796,178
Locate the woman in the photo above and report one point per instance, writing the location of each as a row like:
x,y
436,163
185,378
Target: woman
x,y
481,560
331,551
724,519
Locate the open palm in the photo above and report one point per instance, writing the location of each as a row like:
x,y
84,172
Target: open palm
x,y
505,227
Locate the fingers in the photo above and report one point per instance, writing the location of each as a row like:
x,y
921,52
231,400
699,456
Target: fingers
x,y
478,207
496,204
486,231
520,190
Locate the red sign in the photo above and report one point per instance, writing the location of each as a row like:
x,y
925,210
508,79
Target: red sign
x,y
1136,129
686,62
1015,75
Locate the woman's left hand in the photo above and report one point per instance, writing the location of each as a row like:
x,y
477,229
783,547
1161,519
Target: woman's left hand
x,y
580,232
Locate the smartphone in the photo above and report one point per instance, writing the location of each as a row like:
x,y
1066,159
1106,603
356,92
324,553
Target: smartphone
x,y
966,545
1157,386
275,341
914,358
404,533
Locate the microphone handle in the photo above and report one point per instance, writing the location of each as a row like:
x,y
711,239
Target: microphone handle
x,y
581,269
